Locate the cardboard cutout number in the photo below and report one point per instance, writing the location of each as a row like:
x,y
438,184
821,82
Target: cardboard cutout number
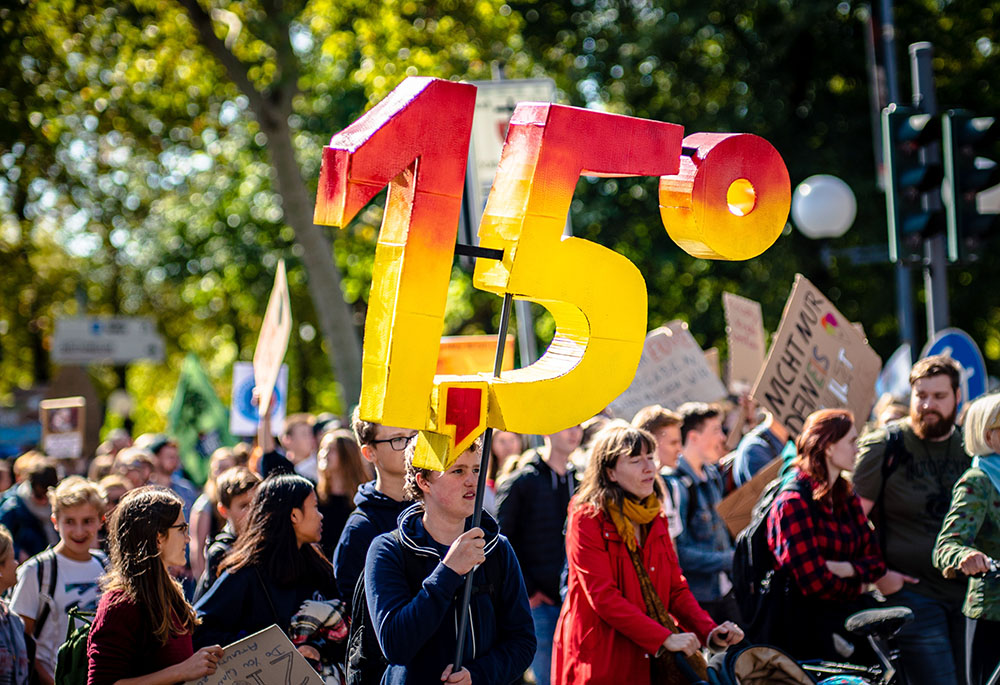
x,y
417,142
727,201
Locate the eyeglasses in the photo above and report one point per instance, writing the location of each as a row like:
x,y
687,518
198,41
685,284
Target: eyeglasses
x,y
398,443
182,527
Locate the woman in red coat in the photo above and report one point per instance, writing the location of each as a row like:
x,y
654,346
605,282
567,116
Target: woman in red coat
x,y
606,631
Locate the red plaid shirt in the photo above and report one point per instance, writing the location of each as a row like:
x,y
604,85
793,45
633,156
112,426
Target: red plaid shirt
x,y
841,533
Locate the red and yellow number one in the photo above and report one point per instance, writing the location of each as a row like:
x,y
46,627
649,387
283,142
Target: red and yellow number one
x,y
417,142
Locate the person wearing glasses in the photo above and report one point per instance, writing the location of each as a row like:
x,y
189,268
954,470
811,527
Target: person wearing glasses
x,y
143,629
377,504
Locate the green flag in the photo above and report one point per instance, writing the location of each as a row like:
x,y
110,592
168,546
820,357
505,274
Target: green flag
x,y
197,420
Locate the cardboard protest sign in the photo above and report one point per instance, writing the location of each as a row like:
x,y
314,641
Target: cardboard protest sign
x,y
672,370
712,359
745,336
63,427
273,339
736,508
817,360
264,658
244,419
469,354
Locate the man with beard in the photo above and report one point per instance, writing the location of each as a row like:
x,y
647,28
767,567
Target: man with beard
x,y
904,476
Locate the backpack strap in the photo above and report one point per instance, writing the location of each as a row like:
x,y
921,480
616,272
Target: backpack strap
x,y
895,455
692,496
100,557
46,559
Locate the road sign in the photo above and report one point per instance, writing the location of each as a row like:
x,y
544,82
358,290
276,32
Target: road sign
x,y
243,415
104,339
956,343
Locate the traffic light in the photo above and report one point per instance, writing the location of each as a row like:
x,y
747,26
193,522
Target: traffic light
x,y
969,150
911,142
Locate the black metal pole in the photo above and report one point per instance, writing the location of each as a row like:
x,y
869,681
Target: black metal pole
x,y
935,261
484,461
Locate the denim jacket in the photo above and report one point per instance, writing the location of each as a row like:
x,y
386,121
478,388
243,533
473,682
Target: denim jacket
x,y
704,548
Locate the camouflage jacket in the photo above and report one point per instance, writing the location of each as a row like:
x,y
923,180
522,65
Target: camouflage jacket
x,y
973,523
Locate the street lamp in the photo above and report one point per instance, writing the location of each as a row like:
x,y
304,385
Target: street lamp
x,y
823,206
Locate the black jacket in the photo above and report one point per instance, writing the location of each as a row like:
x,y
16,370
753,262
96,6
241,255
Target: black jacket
x,y
374,514
531,508
248,600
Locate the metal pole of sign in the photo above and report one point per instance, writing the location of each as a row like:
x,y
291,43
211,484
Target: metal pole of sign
x,y
935,262
484,460
904,285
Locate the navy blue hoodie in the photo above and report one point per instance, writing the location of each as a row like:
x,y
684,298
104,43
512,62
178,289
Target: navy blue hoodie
x,y
418,633
374,513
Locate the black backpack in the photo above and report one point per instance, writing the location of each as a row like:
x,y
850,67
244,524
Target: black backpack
x,y
365,662
753,562
894,457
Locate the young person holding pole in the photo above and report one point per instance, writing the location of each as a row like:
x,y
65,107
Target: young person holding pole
x,y
414,579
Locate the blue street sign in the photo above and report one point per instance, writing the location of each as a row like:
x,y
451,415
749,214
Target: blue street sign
x,y
957,344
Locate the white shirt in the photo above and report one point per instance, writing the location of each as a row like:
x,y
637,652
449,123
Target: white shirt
x,y
308,468
76,586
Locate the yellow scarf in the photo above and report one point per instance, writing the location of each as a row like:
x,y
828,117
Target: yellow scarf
x,y
631,515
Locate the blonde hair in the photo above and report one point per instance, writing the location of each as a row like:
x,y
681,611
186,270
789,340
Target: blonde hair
x,y
979,416
74,491
411,489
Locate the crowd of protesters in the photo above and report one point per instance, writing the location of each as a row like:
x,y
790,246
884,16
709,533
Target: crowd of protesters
x,y
601,553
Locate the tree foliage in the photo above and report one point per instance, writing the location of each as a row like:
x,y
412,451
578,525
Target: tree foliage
x,y
139,175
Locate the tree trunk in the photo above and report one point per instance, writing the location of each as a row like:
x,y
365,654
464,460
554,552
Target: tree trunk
x,y
336,320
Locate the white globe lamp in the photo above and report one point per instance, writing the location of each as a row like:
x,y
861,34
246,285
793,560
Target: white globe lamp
x,y
823,206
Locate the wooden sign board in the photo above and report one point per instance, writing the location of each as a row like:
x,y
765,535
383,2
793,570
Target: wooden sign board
x,y
273,339
672,371
264,658
817,360
736,508
745,336
63,426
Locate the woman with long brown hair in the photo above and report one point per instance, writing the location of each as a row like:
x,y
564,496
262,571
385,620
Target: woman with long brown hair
x,y
625,585
143,629
824,548
275,573
342,470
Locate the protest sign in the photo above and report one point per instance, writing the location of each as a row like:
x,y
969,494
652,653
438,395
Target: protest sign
x,y
672,370
736,508
63,427
817,360
712,359
243,415
745,336
470,354
273,339
264,658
